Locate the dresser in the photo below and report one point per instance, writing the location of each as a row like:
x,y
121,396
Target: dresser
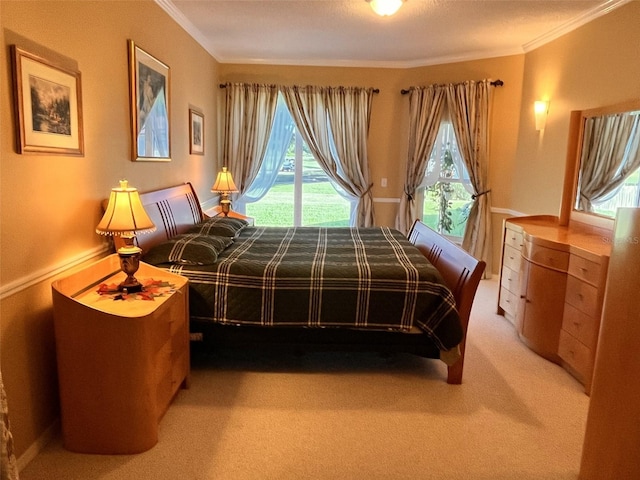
x,y
121,358
552,284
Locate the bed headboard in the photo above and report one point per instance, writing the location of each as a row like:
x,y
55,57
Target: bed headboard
x,y
173,210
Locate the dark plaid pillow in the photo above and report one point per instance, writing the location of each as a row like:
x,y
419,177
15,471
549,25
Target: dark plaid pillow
x,y
220,225
188,249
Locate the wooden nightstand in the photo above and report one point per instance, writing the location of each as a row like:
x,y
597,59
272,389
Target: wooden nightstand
x,y
121,360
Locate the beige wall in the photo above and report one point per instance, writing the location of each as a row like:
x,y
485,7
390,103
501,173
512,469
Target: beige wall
x,y
50,205
596,65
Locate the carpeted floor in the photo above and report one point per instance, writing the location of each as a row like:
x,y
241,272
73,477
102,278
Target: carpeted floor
x,y
360,416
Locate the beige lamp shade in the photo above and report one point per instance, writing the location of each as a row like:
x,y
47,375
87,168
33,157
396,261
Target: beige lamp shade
x,y
224,182
125,214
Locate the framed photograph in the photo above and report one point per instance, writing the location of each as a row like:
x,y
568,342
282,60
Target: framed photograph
x,y
149,92
196,132
48,104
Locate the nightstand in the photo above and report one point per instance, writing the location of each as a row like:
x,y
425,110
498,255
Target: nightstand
x,y
121,359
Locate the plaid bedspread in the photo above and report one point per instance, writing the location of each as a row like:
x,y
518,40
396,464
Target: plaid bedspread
x,y
324,277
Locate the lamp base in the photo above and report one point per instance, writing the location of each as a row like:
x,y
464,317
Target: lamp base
x,y
129,264
225,206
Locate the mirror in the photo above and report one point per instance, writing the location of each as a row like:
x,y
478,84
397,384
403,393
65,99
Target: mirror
x,y
603,164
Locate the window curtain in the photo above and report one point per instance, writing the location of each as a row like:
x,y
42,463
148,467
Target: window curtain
x,y
249,115
8,465
426,105
469,106
280,138
335,124
610,155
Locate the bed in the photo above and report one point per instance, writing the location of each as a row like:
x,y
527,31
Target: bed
x,y
314,288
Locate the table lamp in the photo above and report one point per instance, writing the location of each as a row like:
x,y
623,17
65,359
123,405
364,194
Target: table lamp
x,y
224,186
124,217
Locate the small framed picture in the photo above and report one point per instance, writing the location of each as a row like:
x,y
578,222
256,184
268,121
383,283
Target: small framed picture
x,y
149,93
196,132
48,104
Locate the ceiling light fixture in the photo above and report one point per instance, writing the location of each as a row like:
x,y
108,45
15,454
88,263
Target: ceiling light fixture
x,y
385,8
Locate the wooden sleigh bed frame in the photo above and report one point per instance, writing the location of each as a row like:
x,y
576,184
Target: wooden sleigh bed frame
x,y
176,209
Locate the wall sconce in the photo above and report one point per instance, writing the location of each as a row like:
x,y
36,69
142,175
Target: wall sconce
x,y
124,217
224,185
385,8
541,110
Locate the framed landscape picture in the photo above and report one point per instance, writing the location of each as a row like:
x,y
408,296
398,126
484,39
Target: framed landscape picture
x,y
149,92
48,104
196,132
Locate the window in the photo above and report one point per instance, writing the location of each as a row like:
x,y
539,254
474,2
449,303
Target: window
x,y
291,188
627,195
446,188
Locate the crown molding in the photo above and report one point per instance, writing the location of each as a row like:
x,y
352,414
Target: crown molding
x,y
596,12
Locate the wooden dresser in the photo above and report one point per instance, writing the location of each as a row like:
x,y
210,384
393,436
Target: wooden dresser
x,y
552,284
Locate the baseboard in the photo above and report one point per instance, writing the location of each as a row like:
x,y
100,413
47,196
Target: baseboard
x,y
37,446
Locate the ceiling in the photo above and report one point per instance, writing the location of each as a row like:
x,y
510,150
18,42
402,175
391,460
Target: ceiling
x,y
349,33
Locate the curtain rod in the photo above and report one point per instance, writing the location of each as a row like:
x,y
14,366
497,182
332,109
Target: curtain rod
x,y
495,83
375,90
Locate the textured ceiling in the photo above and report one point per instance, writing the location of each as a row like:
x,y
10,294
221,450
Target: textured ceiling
x,y
348,32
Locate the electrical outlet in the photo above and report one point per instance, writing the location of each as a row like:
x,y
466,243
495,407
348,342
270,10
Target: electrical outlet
x,y
383,183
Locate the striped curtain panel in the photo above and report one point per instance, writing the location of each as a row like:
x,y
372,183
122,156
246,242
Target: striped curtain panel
x,y
426,106
469,107
249,114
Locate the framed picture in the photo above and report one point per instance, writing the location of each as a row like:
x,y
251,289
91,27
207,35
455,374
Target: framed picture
x,y
149,92
196,132
48,105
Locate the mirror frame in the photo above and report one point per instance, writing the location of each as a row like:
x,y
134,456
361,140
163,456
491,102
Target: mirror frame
x,y
568,213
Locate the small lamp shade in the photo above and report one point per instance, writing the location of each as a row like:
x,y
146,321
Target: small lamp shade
x,y
224,182
541,109
125,214
224,185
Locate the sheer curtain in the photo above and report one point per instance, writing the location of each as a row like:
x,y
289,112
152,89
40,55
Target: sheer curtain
x,y
279,140
335,123
469,106
425,114
249,114
611,154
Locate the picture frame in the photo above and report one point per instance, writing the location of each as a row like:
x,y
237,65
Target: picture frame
x,y
149,85
196,132
48,105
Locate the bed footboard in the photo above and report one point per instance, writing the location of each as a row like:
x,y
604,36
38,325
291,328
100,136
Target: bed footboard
x,y
460,271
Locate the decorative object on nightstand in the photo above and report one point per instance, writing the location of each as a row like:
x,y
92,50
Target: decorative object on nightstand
x,y
124,217
224,185
122,357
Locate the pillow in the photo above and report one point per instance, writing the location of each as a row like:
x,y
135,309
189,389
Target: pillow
x,y
220,225
188,249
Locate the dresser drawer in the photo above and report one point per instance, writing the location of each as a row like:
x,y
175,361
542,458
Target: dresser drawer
x,y
546,257
508,301
582,326
577,355
510,279
585,269
513,238
582,296
511,258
